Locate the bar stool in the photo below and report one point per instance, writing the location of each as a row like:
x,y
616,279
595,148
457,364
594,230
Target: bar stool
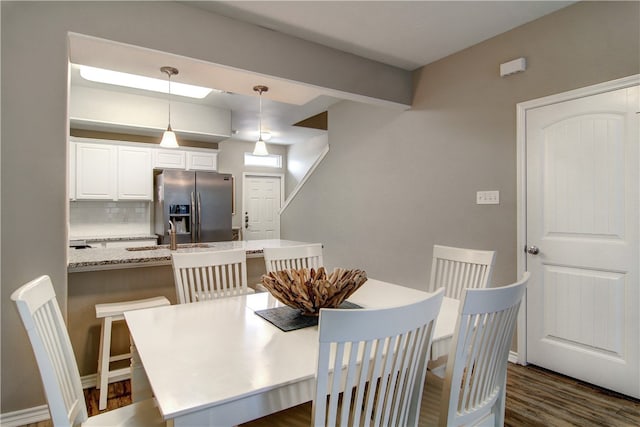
x,y
109,313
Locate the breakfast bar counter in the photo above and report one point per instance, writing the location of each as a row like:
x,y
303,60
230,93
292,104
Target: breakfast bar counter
x,y
95,259
106,275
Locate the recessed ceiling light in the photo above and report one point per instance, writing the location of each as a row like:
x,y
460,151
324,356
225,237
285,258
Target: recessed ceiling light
x,y
118,78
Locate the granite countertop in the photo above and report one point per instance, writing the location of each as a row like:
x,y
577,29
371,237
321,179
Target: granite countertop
x,y
93,259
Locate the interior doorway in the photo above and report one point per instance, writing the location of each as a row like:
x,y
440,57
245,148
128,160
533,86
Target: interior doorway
x,y
579,234
261,205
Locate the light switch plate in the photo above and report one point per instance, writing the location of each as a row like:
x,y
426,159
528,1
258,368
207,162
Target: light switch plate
x,y
488,197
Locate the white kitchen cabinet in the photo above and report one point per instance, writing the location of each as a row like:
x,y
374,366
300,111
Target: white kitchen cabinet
x,y
169,159
130,243
72,171
135,177
202,160
96,171
122,243
107,171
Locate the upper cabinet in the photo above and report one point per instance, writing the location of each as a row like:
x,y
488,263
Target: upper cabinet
x,y
120,170
96,171
169,159
106,171
188,158
202,160
71,178
135,177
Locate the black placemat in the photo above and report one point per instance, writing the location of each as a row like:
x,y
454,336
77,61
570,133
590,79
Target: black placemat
x,y
289,319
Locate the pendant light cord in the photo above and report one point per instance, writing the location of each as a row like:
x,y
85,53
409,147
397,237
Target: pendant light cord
x,y
169,71
260,125
169,99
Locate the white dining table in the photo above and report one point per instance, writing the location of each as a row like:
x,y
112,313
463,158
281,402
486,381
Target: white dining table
x,y
217,363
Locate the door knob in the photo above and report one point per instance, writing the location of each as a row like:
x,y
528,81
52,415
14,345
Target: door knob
x,y
533,250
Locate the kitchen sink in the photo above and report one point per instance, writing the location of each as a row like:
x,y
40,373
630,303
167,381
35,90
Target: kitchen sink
x,y
180,246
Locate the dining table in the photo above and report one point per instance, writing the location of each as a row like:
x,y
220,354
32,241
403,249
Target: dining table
x,y
218,363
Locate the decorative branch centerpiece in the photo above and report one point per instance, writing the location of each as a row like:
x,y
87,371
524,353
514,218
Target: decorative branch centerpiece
x,y
311,290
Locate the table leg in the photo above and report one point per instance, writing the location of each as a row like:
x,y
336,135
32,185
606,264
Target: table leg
x,y
140,386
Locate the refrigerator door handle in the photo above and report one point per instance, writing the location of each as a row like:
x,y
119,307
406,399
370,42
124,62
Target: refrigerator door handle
x,y
193,218
199,215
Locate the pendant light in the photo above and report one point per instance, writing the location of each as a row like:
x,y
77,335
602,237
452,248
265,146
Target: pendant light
x,y
260,148
169,137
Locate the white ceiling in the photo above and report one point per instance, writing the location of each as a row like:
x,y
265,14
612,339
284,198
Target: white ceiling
x,y
405,34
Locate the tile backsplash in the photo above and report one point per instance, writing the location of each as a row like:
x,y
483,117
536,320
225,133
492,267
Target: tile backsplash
x,y
109,219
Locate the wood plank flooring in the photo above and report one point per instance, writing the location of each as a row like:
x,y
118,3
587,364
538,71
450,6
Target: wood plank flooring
x,y
535,397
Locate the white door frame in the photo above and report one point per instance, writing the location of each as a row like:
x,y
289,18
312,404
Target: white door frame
x,y
265,175
521,158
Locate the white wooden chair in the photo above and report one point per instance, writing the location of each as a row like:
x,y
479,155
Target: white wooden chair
x,y
457,269
201,276
303,256
475,380
359,380
42,319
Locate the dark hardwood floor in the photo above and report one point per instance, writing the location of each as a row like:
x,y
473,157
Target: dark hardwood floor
x,y
535,397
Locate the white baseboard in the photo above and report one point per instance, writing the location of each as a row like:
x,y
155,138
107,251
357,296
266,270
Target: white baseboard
x,y
25,416
91,380
513,357
41,413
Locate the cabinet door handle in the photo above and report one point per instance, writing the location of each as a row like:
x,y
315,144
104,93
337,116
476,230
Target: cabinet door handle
x,y
193,218
199,215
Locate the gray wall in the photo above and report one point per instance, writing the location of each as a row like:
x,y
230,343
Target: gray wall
x,y
231,160
301,157
35,125
396,183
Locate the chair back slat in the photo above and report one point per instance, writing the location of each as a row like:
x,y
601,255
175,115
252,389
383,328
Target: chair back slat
x,y
42,319
475,379
372,364
201,276
298,257
457,269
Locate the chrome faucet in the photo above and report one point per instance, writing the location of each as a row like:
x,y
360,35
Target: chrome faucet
x,y
172,236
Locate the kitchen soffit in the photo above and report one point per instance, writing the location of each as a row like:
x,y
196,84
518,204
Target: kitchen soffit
x,y
288,102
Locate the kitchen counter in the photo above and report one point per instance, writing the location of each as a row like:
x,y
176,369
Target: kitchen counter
x,y
95,259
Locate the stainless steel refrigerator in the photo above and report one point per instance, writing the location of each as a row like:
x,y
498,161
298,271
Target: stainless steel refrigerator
x,y
199,204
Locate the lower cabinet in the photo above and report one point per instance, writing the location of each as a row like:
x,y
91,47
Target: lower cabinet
x,y
131,243
123,243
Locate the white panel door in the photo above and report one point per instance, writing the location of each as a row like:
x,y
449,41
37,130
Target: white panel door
x,y
583,298
262,201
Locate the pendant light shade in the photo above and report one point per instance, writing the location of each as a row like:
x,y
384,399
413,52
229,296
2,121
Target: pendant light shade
x,y
169,137
260,148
